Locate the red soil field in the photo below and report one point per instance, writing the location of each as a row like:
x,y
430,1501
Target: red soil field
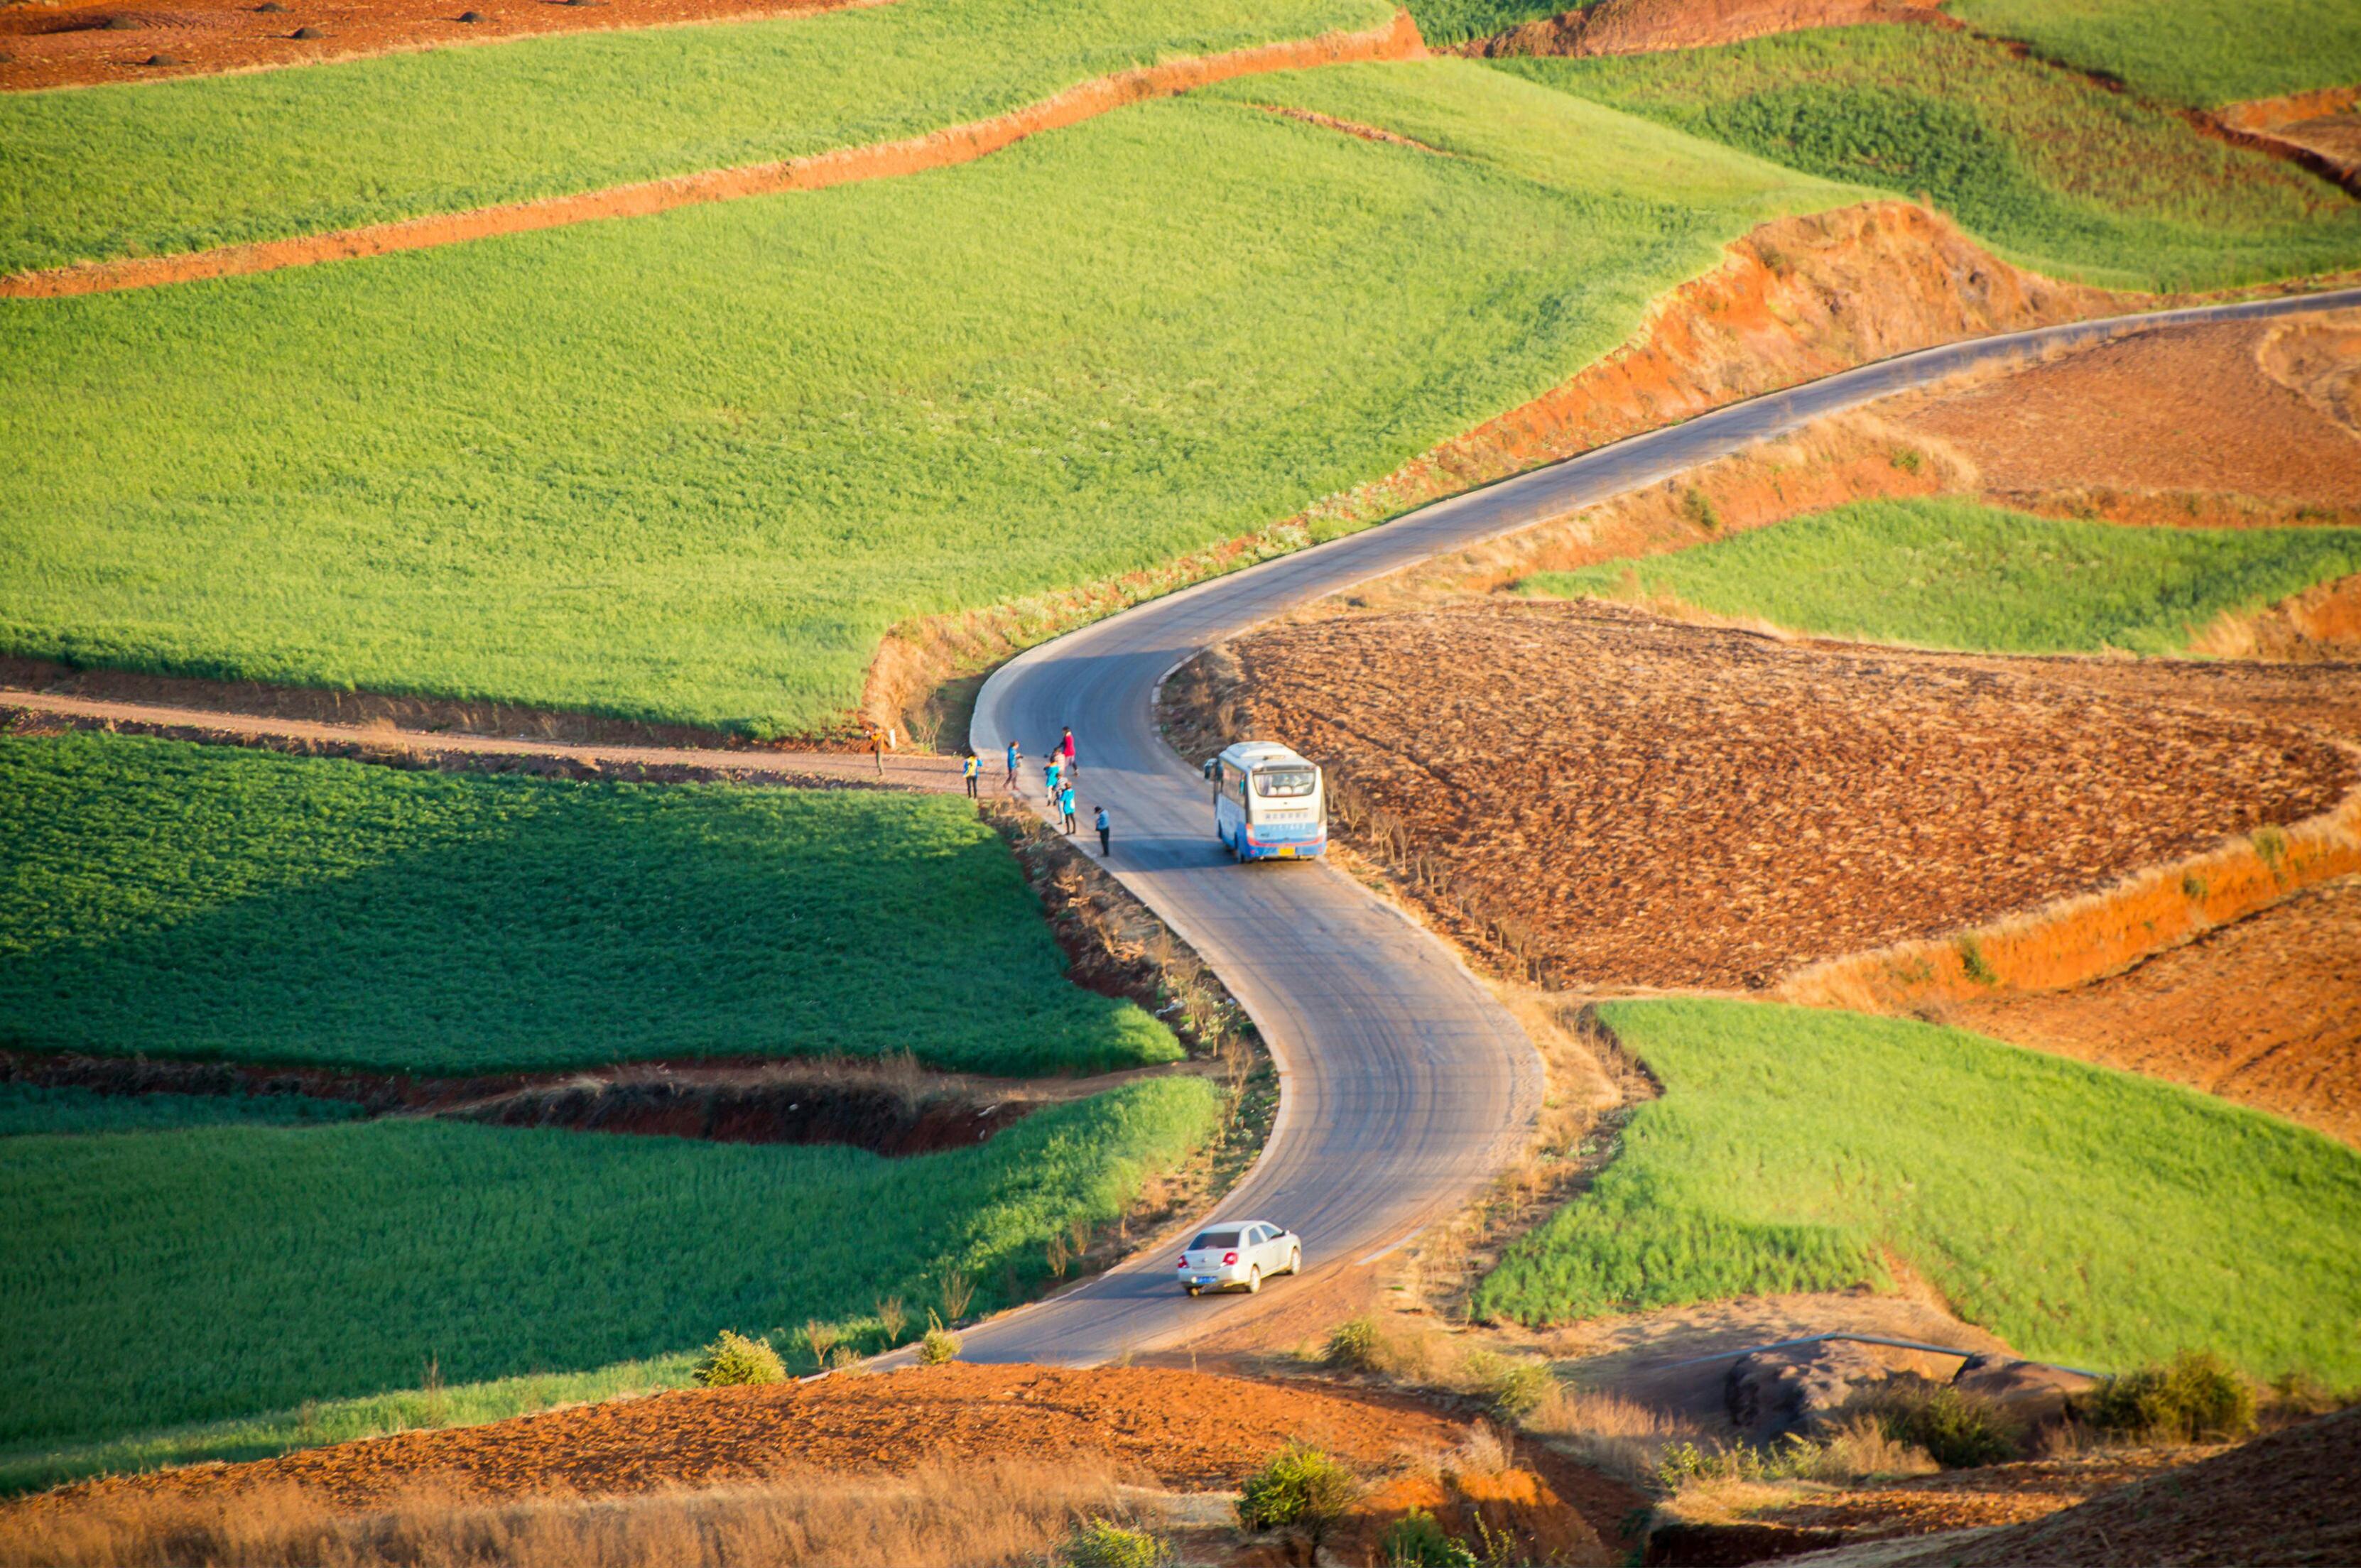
x,y
2265,1011
1647,804
44,45
2262,411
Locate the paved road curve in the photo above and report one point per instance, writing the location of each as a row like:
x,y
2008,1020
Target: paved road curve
x,y
1404,1084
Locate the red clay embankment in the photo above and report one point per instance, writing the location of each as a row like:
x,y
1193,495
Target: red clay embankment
x,y
1645,27
1397,40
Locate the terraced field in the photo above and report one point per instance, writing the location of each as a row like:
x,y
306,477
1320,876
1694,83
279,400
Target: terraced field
x,y
693,466
2202,53
2122,1220
2053,171
171,900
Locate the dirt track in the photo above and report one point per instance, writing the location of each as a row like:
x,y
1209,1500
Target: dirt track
x,y
60,46
880,160
2267,1012
1661,805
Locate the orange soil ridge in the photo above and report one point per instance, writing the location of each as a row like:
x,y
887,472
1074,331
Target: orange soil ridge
x,y
1795,300
2195,1014
1644,26
44,45
1397,40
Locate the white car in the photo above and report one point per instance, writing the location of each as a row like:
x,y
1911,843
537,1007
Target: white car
x,y
1239,1252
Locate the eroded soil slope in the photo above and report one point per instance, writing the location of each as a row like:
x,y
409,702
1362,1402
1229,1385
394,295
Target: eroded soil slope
x,y
1652,803
2265,1011
57,45
1640,26
2261,410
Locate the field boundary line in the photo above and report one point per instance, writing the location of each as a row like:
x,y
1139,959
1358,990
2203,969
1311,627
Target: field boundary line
x,y
1397,39
920,771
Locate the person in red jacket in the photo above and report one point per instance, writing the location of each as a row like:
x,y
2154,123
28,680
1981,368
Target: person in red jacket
x,y
1066,750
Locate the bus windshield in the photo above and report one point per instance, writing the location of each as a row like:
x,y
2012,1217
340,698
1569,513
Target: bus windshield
x,y
1269,782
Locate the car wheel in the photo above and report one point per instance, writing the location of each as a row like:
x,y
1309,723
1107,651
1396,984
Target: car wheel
x,y
1295,1260
1253,1280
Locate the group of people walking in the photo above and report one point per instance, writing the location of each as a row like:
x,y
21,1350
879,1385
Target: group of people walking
x,y
1057,775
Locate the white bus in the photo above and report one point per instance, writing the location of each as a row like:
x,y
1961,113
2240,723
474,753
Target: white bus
x,y
1269,802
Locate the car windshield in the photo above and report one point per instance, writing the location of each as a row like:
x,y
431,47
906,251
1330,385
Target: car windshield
x,y
1223,1239
1284,781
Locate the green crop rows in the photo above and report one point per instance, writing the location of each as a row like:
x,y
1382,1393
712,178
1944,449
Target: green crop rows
x,y
2054,173
179,900
1456,21
168,166
695,466
33,1108
153,1278
2197,52
1950,572
2083,1214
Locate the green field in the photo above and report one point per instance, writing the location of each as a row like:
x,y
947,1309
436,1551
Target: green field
x,y
91,173
1943,572
28,1108
693,466
2053,172
2202,53
2083,1214
177,900
154,1278
1456,21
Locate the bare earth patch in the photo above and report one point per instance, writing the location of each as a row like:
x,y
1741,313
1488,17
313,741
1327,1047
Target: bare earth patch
x,y
2252,409
2267,1010
61,46
1655,805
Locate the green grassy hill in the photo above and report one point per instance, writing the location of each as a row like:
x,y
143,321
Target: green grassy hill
x,y
2202,53
153,1278
2084,1215
1945,572
2054,172
174,900
694,465
92,173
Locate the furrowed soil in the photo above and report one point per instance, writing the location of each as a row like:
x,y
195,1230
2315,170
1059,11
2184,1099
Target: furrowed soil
x,y
44,45
2265,1011
2261,410
1612,799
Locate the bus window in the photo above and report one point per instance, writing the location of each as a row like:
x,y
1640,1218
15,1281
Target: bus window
x,y
1273,783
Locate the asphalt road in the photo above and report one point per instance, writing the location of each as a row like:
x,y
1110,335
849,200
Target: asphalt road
x,y
1403,1084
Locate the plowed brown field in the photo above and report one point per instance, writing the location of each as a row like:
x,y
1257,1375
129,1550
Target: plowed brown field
x,y
2267,1010
2261,410
58,46
1666,804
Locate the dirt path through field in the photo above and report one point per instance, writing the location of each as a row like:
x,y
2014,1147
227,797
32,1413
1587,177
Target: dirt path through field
x,y
1397,40
903,770
82,46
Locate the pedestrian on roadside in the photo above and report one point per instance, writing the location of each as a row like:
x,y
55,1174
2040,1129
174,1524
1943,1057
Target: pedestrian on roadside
x,y
1014,757
1066,805
1106,832
879,738
1053,774
1066,750
970,769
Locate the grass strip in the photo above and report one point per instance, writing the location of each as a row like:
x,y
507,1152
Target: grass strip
x,y
138,169
29,1108
163,1278
1946,572
695,466
178,900
2085,1215
1441,22
2200,53
2056,173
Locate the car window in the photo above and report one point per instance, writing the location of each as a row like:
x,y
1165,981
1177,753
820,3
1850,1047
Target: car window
x,y
1223,1239
1275,782
1256,1236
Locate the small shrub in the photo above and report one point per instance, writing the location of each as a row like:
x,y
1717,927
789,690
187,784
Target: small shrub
x,y
1304,1487
1355,1343
892,1317
1513,1388
1102,1543
1417,1540
733,1359
1907,460
1697,507
1972,961
938,1345
819,1339
2194,1398
1958,1431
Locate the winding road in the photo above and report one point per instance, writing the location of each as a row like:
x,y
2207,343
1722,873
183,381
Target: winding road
x,y
1405,1085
